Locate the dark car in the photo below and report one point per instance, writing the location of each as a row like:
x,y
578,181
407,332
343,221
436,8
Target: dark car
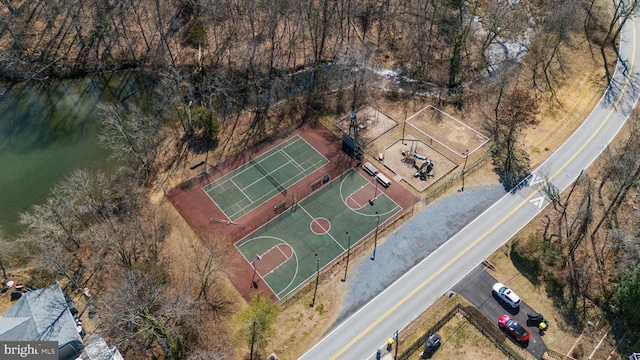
x,y
512,327
431,345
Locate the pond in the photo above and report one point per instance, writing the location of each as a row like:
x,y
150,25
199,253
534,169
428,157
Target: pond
x,y
47,130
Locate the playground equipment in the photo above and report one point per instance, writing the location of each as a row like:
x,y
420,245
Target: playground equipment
x,y
411,157
424,170
408,156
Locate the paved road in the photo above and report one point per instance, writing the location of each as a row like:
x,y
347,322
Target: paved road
x,y
360,335
476,288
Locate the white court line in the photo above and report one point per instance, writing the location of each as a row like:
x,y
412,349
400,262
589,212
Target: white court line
x,y
368,182
321,227
319,153
239,188
312,218
293,161
245,167
352,199
216,204
285,255
248,165
269,173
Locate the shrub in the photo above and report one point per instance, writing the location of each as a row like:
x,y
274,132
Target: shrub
x,y
196,36
207,122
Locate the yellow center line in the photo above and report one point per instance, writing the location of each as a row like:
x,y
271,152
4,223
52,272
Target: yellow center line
x,y
490,230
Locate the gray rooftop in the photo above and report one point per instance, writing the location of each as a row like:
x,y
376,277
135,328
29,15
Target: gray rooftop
x,y
40,315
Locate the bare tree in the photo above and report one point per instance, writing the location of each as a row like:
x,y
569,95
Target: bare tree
x,y
518,112
206,271
133,137
5,253
555,29
590,226
142,316
622,11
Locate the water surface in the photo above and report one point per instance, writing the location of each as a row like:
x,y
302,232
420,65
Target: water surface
x,y
47,130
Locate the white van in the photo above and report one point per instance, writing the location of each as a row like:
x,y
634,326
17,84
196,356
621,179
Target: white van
x,y
370,169
383,180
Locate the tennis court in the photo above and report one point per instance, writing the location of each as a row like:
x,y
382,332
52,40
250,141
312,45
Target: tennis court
x,y
264,177
343,212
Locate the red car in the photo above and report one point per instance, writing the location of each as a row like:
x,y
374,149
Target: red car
x,y
513,328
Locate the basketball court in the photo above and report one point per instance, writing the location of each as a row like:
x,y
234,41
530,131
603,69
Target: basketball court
x,y
283,252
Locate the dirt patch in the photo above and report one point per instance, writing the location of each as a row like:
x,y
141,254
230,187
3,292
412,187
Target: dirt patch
x,y
179,247
458,137
461,340
300,325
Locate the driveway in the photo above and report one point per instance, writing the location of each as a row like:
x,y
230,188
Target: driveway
x,y
476,288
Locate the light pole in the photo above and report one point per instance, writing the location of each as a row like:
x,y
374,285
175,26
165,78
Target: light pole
x,y
375,238
405,102
313,302
348,251
404,124
466,156
254,284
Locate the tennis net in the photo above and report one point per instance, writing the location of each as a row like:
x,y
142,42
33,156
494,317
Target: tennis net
x,y
267,175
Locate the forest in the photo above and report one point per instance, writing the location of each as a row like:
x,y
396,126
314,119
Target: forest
x,y
220,76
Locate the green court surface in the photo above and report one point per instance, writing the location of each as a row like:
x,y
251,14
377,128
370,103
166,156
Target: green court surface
x,y
283,250
252,184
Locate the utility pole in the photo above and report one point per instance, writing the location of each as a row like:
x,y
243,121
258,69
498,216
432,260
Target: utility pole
x,y
375,238
348,251
466,156
395,337
313,302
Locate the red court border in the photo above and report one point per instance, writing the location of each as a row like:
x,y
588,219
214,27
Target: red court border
x,y
197,209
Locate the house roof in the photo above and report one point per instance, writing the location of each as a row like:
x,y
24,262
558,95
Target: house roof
x,y
40,315
17,328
